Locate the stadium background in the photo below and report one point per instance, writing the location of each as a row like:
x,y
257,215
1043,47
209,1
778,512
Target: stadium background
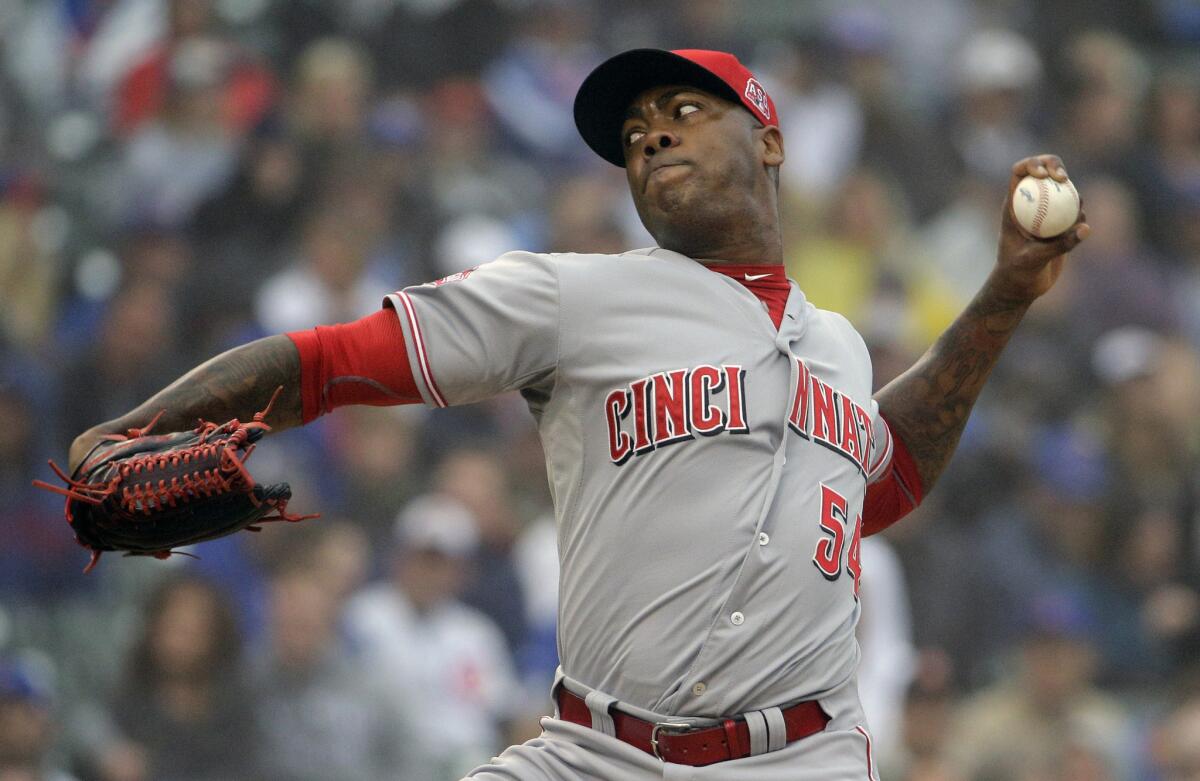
x,y
179,177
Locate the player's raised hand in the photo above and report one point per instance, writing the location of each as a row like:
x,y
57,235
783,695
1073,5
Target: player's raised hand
x,y
1027,266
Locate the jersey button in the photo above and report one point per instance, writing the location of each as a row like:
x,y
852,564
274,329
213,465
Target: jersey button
x,y
699,688
763,538
738,619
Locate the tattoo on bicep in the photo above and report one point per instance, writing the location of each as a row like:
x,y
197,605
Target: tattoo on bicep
x,y
928,405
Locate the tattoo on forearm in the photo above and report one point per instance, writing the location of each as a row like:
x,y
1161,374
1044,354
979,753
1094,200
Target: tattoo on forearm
x,y
235,384
928,406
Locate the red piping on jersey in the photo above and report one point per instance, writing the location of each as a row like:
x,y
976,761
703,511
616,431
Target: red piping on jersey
x,y
870,764
894,494
884,454
422,358
364,362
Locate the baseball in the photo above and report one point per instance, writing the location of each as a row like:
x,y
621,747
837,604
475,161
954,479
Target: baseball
x,y
1045,207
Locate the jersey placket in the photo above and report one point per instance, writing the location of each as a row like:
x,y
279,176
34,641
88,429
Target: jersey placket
x,y
732,610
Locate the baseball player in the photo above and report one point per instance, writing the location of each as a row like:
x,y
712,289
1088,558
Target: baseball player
x,y
713,446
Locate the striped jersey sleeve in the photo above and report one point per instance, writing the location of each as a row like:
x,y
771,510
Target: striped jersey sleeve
x,y
483,331
882,446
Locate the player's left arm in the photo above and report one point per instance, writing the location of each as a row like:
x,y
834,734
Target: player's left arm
x,y
927,407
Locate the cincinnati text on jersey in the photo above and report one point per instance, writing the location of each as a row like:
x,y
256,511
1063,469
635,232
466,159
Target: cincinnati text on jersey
x,y
676,406
831,418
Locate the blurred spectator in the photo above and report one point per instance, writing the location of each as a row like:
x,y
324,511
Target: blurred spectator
x,y
320,717
1149,413
447,661
262,203
814,105
477,479
928,707
887,661
331,94
1185,284
30,230
1046,721
242,233
998,74
1056,540
189,152
327,283
105,39
894,137
1169,185
469,173
340,558
378,456
1115,280
36,552
869,262
133,355
1151,566
531,86
27,726
536,558
1105,80
246,89
1176,750
586,216
162,258
419,42
960,239
182,711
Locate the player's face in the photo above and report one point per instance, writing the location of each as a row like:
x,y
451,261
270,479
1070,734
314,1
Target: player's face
x,y
696,165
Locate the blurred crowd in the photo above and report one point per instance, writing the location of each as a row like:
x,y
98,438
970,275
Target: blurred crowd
x,y
181,176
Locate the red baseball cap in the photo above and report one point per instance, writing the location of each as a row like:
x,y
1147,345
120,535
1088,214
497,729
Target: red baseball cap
x,y
608,90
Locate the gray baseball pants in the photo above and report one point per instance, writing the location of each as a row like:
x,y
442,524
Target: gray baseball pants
x,y
569,752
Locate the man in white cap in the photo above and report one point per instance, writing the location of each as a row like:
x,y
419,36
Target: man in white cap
x,y
448,661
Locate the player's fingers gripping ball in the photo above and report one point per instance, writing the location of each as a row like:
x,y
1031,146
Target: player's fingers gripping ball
x,y
1045,207
148,494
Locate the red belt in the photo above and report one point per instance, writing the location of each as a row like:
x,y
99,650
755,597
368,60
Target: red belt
x,y
697,746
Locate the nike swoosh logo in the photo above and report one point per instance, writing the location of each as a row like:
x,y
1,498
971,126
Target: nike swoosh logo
x,y
752,277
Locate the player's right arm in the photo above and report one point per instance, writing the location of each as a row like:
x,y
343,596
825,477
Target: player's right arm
x,y
491,330
927,406
234,384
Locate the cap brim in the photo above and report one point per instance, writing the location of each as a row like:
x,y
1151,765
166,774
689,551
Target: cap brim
x,y
608,90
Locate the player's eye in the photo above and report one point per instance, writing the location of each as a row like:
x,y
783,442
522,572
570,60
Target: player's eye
x,y
686,108
633,136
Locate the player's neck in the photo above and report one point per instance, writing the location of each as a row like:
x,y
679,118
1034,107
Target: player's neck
x,y
744,237
736,247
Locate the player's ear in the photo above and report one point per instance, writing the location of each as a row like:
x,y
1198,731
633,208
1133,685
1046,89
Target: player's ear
x,y
770,142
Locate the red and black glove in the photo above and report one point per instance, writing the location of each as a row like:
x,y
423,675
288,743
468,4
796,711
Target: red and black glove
x,y
147,494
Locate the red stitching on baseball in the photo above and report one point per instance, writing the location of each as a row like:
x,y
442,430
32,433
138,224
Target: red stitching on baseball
x,y
1042,207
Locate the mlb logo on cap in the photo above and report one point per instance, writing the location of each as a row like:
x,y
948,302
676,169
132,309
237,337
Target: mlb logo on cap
x,y
756,95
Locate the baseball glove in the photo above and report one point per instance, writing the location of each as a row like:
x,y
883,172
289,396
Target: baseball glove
x,y
149,494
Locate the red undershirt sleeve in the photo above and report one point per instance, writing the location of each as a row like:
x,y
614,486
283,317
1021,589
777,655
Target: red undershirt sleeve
x,y
363,362
895,494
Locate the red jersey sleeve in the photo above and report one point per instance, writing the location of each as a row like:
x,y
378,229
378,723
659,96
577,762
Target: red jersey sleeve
x,y
894,493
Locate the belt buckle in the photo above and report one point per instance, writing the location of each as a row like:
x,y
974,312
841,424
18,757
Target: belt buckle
x,y
660,726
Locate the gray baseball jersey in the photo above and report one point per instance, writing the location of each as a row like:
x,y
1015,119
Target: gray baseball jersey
x,y
708,470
